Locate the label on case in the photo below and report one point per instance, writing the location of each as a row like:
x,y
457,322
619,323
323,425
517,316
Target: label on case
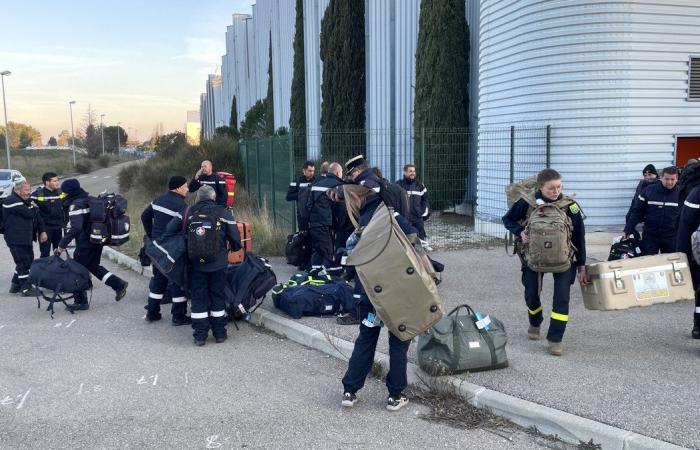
x,y
650,285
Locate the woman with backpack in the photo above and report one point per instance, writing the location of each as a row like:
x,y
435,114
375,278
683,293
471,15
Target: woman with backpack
x,y
551,238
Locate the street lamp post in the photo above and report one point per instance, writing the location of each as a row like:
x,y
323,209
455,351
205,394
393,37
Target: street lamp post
x,y
4,105
102,128
72,135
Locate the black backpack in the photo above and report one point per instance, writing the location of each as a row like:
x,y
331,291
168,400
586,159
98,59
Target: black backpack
x,y
298,248
247,283
62,276
109,223
204,237
394,196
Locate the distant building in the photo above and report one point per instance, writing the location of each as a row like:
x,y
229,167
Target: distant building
x,y
193,127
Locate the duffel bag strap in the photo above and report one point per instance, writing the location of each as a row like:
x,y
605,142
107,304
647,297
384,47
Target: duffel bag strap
x,y
492,348
467,307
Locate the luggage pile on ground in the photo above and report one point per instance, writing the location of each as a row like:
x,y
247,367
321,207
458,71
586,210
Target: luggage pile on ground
x,y
247,285
314,293
61,277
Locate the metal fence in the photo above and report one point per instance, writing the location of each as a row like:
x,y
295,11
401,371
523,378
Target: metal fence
x,y
465,171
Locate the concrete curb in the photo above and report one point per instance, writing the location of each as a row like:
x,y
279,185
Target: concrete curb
x,y
565,426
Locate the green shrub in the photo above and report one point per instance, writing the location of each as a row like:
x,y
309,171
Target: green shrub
x,y
104,160
127,175
84,166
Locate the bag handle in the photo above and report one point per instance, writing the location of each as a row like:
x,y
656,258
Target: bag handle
x,y
467,307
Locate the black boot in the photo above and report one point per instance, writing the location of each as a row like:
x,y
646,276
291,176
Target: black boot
x,y
14,288
121,292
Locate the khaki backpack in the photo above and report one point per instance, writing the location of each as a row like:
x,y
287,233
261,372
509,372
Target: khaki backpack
x,y
549,228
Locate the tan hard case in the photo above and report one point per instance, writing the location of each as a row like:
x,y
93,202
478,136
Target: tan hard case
x,y
642,281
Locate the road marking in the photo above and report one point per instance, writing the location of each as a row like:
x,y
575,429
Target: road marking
x,y
71,323
95,177
108,176
21,403
2,326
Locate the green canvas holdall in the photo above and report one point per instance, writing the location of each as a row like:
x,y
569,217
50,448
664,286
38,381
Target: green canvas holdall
x,y
463,342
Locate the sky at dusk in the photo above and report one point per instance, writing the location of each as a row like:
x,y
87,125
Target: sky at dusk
x,y
137,62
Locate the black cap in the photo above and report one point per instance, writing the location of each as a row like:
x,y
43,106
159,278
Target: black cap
x,y
176,182
70,186
649,168
354,162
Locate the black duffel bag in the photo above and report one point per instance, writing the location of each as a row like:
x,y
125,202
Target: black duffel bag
x,y
62,276
298,249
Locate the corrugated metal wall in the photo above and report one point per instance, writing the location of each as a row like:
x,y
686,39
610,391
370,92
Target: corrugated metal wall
x,y
283,24
313,14
260,48
392,35
611,79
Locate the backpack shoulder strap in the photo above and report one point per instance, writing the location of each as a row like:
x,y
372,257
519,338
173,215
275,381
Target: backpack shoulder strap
x,y
185,215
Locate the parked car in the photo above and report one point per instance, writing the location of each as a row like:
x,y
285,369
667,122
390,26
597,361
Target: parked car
x,y
7,180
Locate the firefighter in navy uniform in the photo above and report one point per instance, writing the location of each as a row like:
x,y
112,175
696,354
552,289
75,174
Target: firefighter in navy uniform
x,y
155,219
49,199
205,176
687,225
299,191
657,206
550,190
418,198
77,207
207,280
322,216
22,226
362,358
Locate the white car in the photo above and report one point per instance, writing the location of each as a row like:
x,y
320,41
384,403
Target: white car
x,y
7,180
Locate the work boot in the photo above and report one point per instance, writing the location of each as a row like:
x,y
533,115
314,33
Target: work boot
x,y
78,307
199,342
696,332
182,321
533,333
121,292
347,319
30,291
221,339
153,316
14,288
556,348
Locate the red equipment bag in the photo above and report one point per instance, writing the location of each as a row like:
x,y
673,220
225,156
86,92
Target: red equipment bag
x,y
230,181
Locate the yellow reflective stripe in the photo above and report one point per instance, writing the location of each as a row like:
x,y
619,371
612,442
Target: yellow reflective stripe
x,y
532,313
560,317
41,199
62,195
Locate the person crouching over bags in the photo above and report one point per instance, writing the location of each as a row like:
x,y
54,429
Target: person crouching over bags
x,y
550,238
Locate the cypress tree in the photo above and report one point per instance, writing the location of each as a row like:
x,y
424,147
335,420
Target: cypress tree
x,y
343,84
233,123
269,101
442,96
297,116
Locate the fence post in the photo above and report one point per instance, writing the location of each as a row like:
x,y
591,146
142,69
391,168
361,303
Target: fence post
x,y
291,177
257,170
273,194
549,145
422,154
512,154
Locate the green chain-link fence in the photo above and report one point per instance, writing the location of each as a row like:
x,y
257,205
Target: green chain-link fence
x,y
465,185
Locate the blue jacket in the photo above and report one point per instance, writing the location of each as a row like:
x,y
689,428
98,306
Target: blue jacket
x,y
518,213
77,207
156,217
417,197
215,182
229,233
658,208
21,219
50,204
689,222
322,211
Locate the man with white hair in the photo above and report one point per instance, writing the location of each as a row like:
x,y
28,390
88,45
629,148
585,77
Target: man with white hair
x,y
22,226
208,227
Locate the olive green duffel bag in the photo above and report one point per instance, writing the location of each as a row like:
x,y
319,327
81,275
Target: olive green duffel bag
x,y
459,343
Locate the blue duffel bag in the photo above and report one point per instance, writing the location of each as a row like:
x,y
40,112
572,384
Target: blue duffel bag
x,y
314,300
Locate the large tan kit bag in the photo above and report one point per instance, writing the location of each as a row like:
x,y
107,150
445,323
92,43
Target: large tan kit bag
x,y
643,281
399,282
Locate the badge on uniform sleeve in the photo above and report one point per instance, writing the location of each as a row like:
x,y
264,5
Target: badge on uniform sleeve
x,y
574,208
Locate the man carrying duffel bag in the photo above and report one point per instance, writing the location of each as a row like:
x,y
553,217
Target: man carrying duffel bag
x,y
362,358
